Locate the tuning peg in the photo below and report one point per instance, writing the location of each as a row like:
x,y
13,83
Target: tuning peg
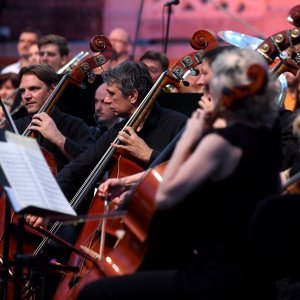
x,y
194,72
296,57
185,83
91,77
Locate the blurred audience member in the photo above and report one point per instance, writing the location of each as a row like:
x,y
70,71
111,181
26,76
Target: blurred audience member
x,y
121,43
27,37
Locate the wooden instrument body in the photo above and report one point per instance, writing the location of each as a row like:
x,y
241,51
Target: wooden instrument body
x,y
125,241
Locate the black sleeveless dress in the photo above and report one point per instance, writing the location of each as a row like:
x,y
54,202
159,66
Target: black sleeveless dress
x,y
218,213
214,262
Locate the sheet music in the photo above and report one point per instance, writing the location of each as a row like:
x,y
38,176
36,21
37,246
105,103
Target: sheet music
x,y
31,181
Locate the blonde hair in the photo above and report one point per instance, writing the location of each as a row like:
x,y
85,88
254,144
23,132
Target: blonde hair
x,y
230,72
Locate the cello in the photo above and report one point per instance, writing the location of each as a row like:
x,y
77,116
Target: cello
x,y
103,49
116,239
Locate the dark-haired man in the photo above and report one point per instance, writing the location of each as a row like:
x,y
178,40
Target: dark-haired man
x,y
156,63
54,51
63,135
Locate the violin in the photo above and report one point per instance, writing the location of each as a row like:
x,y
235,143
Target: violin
x,y
124,245
84,70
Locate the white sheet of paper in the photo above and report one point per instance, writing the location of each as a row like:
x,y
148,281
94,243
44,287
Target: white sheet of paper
x,y
29,176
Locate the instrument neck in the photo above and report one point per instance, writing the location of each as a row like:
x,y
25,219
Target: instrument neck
x,y
9,118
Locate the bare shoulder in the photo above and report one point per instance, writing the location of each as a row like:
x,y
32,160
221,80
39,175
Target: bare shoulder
x,y
217,147
216,142
223,153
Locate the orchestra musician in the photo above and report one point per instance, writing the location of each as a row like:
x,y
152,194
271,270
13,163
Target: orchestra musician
x,y
127,84
211,185
289,141
156,62
53,50
65,136
104,116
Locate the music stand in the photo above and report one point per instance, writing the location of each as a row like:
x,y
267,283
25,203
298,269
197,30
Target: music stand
x,y
32,190
20,260
5,254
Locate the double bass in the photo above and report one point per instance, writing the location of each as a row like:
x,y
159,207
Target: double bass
x,y
273,50
273,47
115,259
81,75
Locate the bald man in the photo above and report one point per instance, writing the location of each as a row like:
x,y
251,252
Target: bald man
x,y
105,118
121,43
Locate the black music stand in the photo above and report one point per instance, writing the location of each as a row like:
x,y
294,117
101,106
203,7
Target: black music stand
x,y
19,259
5,258
22,260
30,189
5,255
